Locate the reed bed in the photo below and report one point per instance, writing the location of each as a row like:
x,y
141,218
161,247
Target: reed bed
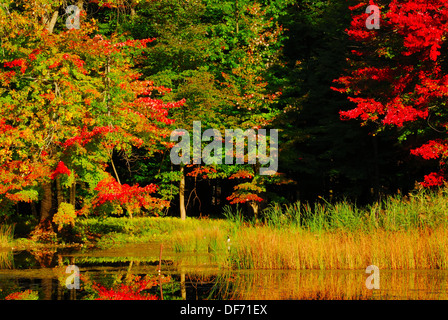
x,y
6,235
418,210
6,260
271,248
402,232
208,238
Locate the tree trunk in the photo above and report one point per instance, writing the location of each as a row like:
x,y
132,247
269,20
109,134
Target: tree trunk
x,y
59,195
44,230
254,204
46,204
73,194
183,212
183,288
255,208
50,24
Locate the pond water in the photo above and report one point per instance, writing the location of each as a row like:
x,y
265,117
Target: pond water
x,y
198,277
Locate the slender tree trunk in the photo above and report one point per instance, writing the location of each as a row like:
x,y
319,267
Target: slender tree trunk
x,y
47,288
59,195
52,22
183,288
115,170
46,204
255,207
183,212
73,194
254,204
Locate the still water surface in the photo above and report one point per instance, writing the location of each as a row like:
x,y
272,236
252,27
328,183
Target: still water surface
x,y
199,277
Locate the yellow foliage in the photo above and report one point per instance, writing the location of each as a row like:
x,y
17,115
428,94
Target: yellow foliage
x,y
66,215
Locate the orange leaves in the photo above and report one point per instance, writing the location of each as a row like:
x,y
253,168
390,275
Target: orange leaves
x,y
6,77
16,175
49,96
201,171
235,198
242,174
246,191
134,43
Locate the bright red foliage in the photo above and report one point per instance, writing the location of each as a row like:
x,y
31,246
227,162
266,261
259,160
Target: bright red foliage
x,y
133,290
123,293
432,150
86,136
433,179
60,169
23,295
132,197
246,191
397,77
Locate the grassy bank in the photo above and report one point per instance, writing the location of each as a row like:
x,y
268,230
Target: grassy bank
x,y
403,232
199,235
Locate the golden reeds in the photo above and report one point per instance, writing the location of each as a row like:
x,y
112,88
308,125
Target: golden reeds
x,y
6,235
270,248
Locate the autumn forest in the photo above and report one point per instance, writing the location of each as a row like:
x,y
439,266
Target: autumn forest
x,y
91,92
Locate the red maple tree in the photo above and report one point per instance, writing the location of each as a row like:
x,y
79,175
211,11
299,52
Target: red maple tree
x,y
398,74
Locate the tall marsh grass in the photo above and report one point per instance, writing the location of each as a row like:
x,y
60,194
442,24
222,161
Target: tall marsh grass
x,y
402,232
419,210
267,248
211,239
6,235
